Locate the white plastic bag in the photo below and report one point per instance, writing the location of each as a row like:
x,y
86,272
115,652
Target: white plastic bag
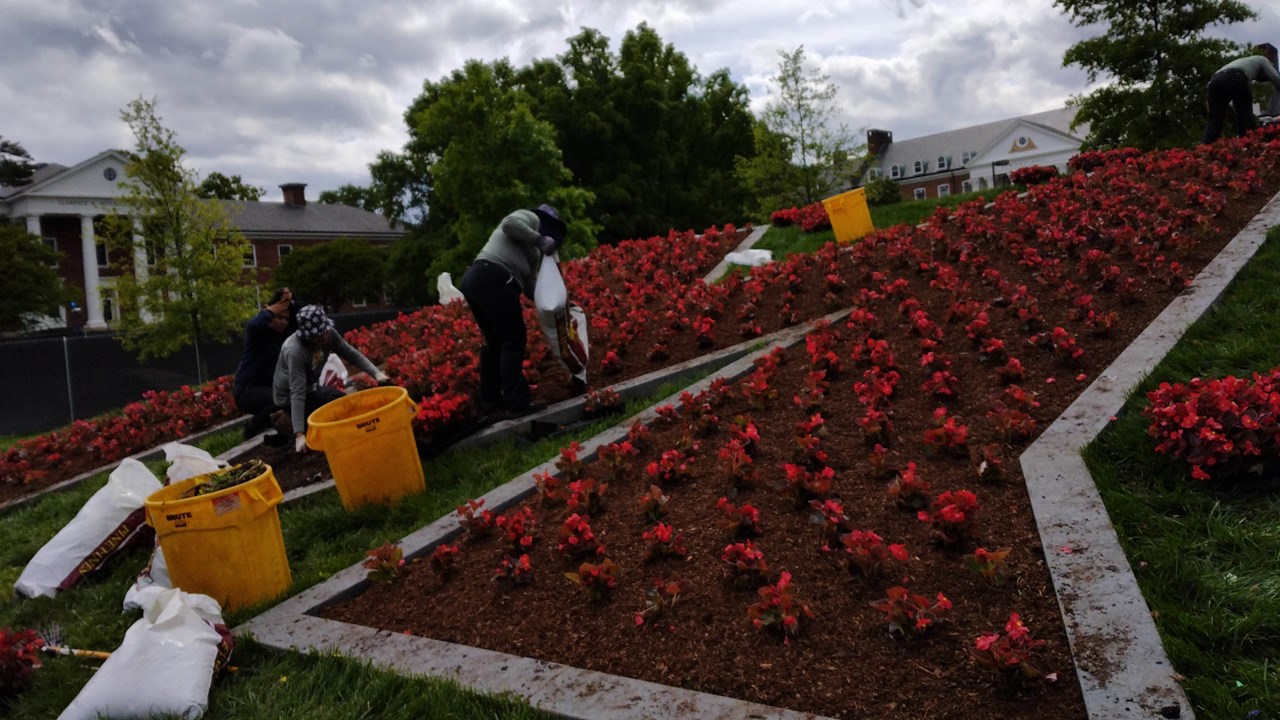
x,y
186,462
111,520
334,373
564,325
445,289
164,665
751,257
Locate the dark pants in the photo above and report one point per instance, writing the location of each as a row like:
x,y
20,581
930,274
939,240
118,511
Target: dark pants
x,y
1229,87
494,298
254,400
320,396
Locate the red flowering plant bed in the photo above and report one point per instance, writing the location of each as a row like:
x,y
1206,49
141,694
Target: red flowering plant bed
x,y
1223,428
854,508
432,352
157,418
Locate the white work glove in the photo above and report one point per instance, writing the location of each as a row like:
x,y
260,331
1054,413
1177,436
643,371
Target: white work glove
x,y
300,444
381,378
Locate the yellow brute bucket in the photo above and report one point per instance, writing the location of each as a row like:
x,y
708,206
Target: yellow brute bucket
x,y
849,215
367,437
226,544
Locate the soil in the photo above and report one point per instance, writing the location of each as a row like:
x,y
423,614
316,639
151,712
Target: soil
x,y
844,662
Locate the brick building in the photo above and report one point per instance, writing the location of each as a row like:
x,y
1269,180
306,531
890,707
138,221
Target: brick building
x,y
976,157
65,206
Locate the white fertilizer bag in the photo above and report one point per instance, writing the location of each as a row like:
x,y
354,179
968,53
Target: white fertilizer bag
x,y
164,666
111,520
334,373
186,462
445,289
564,325
751,257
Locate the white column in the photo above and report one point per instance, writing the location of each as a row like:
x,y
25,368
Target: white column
x,y
33,225
89,253
141,272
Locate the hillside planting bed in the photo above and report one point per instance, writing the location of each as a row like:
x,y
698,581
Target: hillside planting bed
x,y
967,336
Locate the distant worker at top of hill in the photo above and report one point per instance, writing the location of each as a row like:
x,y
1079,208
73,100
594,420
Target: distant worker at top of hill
x,y
1231,85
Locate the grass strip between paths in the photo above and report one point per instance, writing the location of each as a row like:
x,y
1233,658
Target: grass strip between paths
x,y
1207,556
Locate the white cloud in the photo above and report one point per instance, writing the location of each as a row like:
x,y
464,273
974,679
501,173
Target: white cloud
x,y
277,94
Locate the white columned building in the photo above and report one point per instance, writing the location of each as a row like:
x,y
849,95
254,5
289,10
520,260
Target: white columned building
x,y
60,205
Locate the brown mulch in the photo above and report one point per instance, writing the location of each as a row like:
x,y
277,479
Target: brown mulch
x,y
844,662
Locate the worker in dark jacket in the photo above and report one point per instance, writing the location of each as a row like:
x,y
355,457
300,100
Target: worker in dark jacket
x,y
263,336
1232,85
506,267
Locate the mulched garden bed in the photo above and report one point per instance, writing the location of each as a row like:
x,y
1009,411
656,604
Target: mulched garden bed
x,y
844,662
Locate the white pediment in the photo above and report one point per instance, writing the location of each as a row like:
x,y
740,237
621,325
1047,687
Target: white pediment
x,y
1025,143
92,186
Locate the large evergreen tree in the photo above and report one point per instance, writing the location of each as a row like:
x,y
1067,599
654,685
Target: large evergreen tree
x,y
222,187
195,287
335,272
1158,59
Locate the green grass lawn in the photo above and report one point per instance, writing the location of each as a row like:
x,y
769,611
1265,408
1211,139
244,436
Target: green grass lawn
x,y
1207,556
321,538
784,241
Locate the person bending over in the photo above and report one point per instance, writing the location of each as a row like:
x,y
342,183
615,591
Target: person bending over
x,y
1232,85
296,384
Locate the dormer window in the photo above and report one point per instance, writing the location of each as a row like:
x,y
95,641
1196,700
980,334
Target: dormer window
x,y
921,166
944,162
876,173
895,172
966,157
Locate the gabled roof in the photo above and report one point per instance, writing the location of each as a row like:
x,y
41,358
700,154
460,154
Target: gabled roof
x,y
314,219
46,173
993,147
974,139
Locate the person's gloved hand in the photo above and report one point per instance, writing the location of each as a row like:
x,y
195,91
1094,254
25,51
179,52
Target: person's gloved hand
x,y
300,444
547,244
382,380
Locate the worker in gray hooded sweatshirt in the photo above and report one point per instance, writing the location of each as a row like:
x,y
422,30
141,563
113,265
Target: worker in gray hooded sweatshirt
x,y
506,267
296,384
1231,85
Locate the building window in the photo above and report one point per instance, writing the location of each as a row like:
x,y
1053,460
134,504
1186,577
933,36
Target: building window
x,y
876,173
895,172
919,193
965,157
360,302
109,306
966,186
283,251
251,256
921,166
944,162
944,190
1023,141
52,244
100,248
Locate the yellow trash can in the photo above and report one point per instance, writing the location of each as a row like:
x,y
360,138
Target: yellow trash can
x,y
367,437
849,215
225,544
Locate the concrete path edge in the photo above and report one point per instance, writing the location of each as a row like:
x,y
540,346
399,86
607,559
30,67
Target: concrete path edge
x,y
1120,660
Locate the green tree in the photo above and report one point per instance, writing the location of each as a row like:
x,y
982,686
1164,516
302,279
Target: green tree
x,y
1158,59
816,156
197,290
352,195
768,175
334,273
15,164
883,191
221,187
31,287
487,155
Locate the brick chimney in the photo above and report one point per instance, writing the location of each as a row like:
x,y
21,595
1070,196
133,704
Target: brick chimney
x,y
878,140
294,194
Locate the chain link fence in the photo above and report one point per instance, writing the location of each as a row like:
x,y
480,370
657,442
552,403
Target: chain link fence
x,y
49,382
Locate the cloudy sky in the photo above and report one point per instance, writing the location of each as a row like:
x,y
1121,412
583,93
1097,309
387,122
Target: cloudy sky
x,y
310,91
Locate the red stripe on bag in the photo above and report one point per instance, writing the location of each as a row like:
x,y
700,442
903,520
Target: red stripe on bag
x,y
133,528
